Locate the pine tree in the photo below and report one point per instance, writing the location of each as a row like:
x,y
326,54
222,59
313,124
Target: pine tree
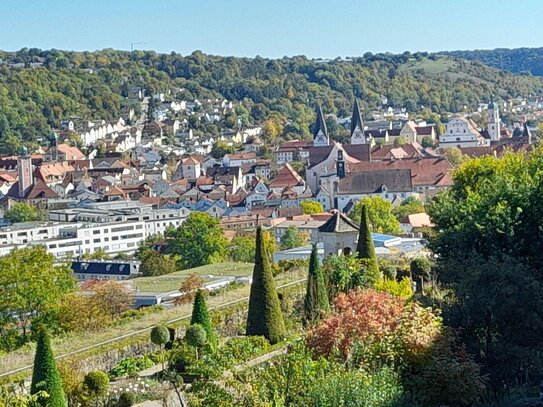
x,y
264,317
364,248
45,376
200,315
316,297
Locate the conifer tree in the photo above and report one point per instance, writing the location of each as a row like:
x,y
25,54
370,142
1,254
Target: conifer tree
x,y
45,376
200,315
316,296
264,316
364,248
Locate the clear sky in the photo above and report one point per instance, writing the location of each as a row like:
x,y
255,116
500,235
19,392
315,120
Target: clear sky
x,y
271,28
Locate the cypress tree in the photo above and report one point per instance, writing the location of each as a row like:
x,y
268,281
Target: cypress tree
x,y
200,315
364,248
45,376
316,297
264,316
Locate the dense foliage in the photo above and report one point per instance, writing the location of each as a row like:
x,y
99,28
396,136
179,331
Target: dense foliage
x,y
31,289
381,217
284,91
198,241
490,251
517,60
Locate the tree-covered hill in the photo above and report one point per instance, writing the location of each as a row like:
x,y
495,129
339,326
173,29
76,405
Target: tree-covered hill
x,y
94,84
517,60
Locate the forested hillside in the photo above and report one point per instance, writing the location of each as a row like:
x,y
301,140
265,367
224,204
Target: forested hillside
x,y
518,60
93,85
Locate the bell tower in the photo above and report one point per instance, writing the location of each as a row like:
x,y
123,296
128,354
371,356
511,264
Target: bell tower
x,y
24,172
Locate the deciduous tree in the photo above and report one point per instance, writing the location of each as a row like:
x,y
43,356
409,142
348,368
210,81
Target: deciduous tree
x,y
198,241
380,214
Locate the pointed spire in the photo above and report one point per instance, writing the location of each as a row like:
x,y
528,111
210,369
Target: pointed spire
x,y
356,120
320,125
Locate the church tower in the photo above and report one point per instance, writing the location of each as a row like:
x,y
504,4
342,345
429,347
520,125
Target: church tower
x,y
24,172
320,134
493,127
357,126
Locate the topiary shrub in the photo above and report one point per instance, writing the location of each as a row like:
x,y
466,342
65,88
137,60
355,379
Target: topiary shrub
x,y
126,400
96,384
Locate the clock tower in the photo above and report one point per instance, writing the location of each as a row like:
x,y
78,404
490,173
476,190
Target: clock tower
x,y
357,125
320,134
24,170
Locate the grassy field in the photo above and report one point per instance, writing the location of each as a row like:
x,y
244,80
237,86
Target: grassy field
x,y
441,65
211,272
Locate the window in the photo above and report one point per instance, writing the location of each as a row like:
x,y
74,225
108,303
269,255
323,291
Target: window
x,y
96,240
96,232
451,131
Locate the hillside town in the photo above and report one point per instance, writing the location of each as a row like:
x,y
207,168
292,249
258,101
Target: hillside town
x,y
129,184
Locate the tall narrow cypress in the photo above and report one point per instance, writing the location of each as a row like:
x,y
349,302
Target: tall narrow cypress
x,y
316,297
45,376
264,316
364,247
200,315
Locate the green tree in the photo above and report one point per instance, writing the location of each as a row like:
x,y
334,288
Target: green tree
x,y
409,206
242,248
220,149
32,286
200,315
293,238
264,315
454,156
196,337
380,214
157,264
316,296
311,207
160,336
22,212
45,376
198,241
365,250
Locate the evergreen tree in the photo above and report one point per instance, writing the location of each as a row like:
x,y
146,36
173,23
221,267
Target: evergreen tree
x,y
264,317
45,376
200,315
364,248
316,296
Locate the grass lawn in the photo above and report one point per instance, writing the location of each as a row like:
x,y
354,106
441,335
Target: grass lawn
x,y
172,282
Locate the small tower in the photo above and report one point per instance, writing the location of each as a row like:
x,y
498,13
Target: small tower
x,y
493,127
24,172
357,126
320,135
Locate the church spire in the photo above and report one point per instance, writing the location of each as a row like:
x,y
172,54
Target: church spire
x,y
357,125
320,134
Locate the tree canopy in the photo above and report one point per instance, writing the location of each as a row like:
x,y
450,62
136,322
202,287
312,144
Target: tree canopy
x,y
380,214
198,241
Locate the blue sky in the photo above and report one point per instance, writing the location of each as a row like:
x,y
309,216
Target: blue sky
x,y
271,28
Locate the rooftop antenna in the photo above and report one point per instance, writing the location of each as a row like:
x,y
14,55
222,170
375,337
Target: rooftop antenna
x,y
135,43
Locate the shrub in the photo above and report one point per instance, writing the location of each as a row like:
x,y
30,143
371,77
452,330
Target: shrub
x,y
96,384
160,335
130,366
126,400
401,289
